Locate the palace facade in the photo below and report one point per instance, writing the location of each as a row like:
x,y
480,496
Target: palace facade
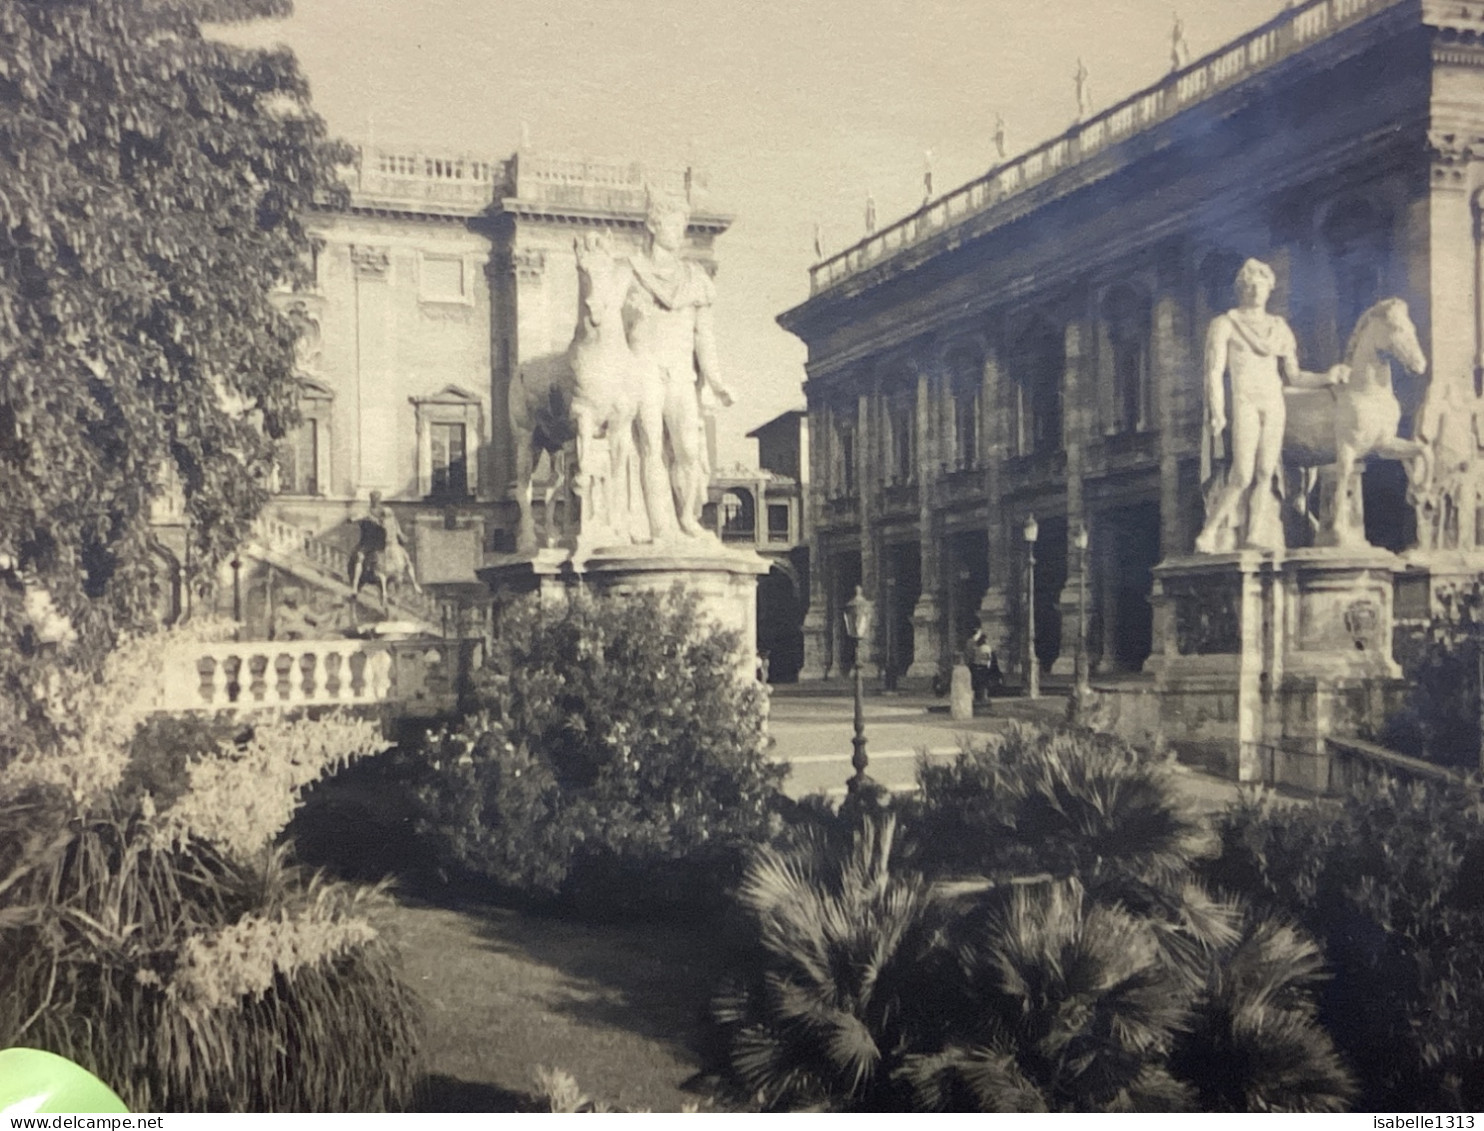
x,y
1031,343
442,277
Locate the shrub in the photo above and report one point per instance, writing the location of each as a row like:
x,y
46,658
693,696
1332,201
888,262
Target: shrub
x,y
1089,972
604,743
1439,719
1061,801
150,931
1388,881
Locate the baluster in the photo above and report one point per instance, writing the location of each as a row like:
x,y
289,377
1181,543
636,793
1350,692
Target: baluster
x,y
283,678
218,694
333,687
309,667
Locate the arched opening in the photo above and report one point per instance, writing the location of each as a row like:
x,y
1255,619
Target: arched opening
x,y
780,621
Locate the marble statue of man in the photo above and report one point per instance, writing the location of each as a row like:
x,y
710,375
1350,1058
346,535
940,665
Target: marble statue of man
x,y
669,320
1258,349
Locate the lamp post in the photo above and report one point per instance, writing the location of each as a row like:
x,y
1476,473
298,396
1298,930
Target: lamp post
x,y
1032,665
1080,687
858,613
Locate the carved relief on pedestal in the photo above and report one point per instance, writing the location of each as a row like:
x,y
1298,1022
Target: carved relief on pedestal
x,y
1208,617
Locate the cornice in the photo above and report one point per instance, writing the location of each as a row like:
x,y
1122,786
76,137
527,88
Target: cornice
x,y
1049,279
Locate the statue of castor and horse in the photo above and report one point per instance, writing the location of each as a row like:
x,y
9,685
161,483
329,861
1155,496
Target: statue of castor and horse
x,y
1358,417
578,409
1330,429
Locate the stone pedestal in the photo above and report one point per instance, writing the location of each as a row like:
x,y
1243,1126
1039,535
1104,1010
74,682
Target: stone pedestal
x,y
816,646
995,619
1259,657
724,579
927,638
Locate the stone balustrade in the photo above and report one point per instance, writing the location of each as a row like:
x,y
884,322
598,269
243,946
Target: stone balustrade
x,y
442,183
1288,33
415,677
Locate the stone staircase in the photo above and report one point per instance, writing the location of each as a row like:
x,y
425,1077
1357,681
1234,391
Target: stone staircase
x,y
321,563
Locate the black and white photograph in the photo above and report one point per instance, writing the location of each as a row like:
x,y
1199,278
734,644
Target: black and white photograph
x,y
648,556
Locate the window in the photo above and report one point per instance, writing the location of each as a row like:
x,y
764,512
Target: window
x,y
298,460
450,427
1038,363
845,479
778,522
1126,323
450,460
303,466
901,421
964,380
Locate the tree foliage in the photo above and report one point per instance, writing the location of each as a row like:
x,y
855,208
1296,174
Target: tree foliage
x,y
154,188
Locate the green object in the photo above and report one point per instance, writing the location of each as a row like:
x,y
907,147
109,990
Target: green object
x,y
32,1080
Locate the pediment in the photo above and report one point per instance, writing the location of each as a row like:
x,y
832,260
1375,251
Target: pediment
x,y
449,394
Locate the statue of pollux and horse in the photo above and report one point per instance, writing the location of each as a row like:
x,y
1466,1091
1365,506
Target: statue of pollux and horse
x,y
617,416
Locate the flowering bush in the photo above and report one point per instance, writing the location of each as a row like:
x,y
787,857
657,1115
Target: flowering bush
x,y
150,931
610,746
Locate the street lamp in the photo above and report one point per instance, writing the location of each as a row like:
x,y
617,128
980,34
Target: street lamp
x,y
858,613
1080,688
1032,666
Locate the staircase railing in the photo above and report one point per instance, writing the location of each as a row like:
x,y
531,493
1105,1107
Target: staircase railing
x,y
334,564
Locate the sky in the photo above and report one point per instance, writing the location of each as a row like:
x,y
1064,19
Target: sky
x,y
796,110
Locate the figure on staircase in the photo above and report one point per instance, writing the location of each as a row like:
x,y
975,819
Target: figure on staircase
x,y
381,552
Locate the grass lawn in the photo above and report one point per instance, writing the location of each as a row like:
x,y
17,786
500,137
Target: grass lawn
x,y
618,1006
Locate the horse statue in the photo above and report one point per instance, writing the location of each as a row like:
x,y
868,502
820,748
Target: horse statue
x,y
1358,417
381,552
605,400
577,410
540,413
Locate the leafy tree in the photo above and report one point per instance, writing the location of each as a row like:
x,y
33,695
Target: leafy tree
x,y
154,184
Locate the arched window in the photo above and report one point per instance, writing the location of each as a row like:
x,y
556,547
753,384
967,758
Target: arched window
x,y
1126,319
901,424
1038,363
964,382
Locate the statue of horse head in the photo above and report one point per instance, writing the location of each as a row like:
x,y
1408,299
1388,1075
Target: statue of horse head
x,y
602,281
1386,328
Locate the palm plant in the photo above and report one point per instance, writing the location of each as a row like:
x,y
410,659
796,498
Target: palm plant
x,y
845,955
1256,1043
1064,1006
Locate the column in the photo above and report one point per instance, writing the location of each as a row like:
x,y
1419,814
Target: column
x,y
817,652
868,465
996,607
1079,412
1177,413
927,614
